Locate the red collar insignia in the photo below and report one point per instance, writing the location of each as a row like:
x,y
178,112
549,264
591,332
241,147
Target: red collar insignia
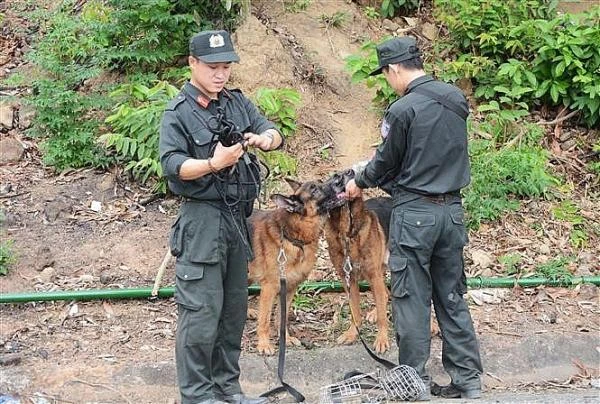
x,y
202,101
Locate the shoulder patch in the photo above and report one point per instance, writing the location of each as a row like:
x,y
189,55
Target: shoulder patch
x,y
385,129
174,103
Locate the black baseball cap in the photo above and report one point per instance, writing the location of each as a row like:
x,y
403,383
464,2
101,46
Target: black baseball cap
x,y
395,50
213,47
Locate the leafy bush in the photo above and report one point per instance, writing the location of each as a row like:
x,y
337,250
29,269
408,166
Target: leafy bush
x,y
279,105
392,8
466,20
499,176
68,121
135,127
363,63
523,52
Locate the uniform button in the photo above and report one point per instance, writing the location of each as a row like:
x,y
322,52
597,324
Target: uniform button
x,y
185,276
418,223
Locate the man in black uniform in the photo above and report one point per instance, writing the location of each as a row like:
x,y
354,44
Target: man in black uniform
x,y
423,162
203,135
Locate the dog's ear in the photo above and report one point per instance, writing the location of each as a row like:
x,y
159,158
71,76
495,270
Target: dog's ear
x,y
289,204
293,183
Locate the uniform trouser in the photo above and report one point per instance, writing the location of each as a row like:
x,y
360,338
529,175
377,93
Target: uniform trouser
x,y
426,264
212,296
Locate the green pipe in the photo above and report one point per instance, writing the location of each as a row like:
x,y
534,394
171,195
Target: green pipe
x,y
329,286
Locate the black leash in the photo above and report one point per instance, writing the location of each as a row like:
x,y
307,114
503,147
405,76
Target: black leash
x,y
347,271
281,260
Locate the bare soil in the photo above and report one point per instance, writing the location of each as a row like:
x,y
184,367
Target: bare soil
x,y
69,351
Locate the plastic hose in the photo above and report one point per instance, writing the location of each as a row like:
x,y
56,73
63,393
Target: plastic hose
x,y
329,286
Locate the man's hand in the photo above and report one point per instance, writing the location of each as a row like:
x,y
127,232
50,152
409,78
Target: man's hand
x,y
226,156
352,190
263,141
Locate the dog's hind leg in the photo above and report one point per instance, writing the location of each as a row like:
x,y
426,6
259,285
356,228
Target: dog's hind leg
x,y
351,333
265,309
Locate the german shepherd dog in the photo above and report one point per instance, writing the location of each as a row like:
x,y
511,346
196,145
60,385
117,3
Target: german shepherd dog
x,y
293,229
354,232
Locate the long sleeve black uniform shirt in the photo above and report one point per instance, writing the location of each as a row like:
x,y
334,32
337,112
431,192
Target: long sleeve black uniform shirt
x,y
424,148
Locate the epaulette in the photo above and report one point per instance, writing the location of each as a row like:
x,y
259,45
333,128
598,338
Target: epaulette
x,y
233,90
172,105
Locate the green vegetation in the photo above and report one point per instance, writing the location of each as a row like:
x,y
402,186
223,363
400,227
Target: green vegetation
x,y
523,52
510,262
567,211
279,105
129,39
7,257
295,6
336,20
136,123
556,269
392,8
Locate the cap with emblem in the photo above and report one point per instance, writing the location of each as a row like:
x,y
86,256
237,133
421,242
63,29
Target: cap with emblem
x,y
395,50
213,47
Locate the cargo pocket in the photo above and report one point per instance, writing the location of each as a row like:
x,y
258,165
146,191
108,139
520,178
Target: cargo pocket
x,y
199,230
189,280
176,238
417,230
459,237
398,267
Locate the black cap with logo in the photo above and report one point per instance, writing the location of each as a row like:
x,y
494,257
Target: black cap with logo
x,y
213,47
395,50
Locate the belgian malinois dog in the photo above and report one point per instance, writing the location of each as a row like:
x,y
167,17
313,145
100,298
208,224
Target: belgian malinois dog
x,y
285,238
358,251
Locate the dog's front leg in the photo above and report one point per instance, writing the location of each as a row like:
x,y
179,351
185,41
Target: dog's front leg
x,y
351,333
380,294
265,309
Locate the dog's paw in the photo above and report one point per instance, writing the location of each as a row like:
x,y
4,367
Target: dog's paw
x,y
372,316
265,348
382,343
349,337
252,314
292,341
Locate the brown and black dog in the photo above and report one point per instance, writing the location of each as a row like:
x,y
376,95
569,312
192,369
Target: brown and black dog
x,y
353,231
292,229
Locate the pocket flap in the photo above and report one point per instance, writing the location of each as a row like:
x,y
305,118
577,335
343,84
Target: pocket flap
x,y
202,137
189,272
457,218
397,264
419,219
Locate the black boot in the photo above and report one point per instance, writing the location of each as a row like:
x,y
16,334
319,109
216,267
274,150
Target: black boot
x,y
451,391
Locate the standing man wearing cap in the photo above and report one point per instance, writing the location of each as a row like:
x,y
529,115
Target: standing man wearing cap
x,y
209,237
423,162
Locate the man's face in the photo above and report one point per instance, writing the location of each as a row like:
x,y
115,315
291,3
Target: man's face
x,y
209,77
394,79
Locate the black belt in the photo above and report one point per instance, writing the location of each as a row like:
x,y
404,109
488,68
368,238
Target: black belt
x,y
402,196
442,199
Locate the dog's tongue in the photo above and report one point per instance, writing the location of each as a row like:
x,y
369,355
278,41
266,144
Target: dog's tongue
x,y
341,195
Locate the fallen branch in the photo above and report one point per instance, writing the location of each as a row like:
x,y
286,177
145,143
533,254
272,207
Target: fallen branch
x,y
104,386
559,119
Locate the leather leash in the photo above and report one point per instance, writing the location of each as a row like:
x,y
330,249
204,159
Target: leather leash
x,y
281,260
